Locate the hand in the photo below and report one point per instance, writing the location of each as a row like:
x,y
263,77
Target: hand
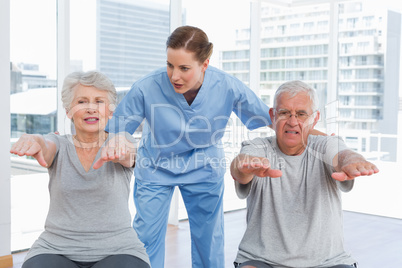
x,y
118,149
258,166
28,145
355,169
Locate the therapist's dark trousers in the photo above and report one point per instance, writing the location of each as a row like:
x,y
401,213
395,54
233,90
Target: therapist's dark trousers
x,y
59,261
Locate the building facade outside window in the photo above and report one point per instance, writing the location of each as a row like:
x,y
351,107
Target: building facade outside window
x,y
294,44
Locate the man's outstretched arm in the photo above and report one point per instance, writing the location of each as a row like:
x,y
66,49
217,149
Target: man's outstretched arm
x,y
244,167
349,165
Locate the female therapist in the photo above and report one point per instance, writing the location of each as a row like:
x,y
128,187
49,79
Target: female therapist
x,y
186,107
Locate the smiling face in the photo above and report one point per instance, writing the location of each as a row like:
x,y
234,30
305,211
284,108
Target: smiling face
x,y
184,71
89,109
292,132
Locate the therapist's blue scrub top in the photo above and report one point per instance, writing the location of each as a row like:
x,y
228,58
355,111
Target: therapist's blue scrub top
x,y
181,143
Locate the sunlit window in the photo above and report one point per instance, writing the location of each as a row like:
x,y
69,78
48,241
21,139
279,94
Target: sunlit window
x,y
367,92
33,105
126,40
228,31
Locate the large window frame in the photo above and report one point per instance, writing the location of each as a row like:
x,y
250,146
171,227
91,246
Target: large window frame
x,y
63,65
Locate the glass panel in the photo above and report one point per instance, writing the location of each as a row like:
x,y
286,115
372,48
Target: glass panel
x,y
107,35
370,98
227,24
366,71
368,89
33,98
123,39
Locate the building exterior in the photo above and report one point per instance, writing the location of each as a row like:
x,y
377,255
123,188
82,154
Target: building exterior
x,y
131,38
25,76
15,78
33,111
32,100
295,46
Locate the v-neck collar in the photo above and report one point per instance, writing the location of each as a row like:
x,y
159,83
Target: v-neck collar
x,y
76,160
198,99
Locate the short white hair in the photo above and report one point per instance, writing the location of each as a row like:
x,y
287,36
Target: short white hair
x,y
91,78
295,87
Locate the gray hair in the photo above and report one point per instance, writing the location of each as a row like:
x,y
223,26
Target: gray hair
x,y
295,87
91,78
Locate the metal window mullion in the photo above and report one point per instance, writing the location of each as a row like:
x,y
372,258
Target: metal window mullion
x,y
63,60
332,91
255,45
176,10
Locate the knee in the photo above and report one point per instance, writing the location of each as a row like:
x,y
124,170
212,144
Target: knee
x,y
148,235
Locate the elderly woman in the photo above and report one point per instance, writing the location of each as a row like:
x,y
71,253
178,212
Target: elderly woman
x,y
89,223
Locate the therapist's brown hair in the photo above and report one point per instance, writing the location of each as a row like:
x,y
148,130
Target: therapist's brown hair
x,y
193,40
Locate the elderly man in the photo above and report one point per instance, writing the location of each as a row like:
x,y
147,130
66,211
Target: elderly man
x,y
292,182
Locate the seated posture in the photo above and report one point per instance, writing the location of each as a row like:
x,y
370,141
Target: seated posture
x,y
292,182
89,222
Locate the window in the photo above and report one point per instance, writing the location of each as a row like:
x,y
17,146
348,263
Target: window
x,y
232,31
103,42
322,25
308,26
360,73
294,27
33,105
351,23
366,71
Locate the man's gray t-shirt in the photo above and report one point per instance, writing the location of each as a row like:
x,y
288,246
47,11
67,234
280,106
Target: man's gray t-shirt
x,y
88,216
295,220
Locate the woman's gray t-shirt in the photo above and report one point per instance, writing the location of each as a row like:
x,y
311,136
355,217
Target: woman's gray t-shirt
x,y
88,216
295,220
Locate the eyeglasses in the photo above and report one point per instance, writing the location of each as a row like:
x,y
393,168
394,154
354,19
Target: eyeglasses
x,y
300,116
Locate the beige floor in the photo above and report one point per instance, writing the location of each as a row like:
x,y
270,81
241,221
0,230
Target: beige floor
x,y
374,241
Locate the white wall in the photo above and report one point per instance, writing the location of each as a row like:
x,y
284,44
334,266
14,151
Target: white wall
x,y
379,194
5,193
